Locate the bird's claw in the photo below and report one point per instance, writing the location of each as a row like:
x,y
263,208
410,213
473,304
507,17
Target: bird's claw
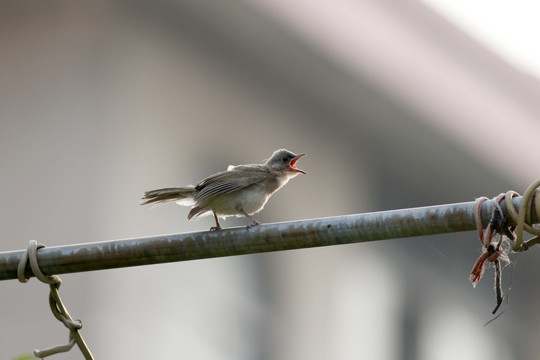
x,y
255,223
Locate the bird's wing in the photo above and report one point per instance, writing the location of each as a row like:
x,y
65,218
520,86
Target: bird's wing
x,y
234,179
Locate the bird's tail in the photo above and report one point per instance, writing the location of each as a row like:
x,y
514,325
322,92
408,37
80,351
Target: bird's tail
x,y
182,195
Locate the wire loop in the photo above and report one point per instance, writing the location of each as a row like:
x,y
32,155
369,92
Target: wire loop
x,y
494,251
523,216
57,306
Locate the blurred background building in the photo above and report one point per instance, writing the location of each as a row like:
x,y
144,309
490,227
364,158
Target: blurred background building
x,y
396,103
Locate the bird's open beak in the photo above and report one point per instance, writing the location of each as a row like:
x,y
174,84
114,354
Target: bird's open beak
x,y
292,164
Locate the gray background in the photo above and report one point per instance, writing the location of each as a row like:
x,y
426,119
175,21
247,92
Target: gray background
x,y
100,101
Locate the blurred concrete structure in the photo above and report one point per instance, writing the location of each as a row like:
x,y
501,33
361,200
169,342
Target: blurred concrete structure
x,y
100,101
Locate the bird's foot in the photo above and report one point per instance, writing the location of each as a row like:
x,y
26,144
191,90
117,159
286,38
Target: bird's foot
x,y
218,226
254,223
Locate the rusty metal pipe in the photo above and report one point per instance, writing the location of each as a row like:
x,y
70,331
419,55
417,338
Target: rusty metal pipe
x,y
264,238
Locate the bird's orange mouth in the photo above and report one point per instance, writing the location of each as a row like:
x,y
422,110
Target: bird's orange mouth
x,y
292,164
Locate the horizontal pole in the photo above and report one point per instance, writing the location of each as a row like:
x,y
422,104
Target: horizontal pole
x,y
258,239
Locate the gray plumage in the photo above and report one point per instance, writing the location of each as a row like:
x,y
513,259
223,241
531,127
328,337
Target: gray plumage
x,y
241,190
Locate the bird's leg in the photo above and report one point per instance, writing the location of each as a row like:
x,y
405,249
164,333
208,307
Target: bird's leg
x,y
255,222
217,227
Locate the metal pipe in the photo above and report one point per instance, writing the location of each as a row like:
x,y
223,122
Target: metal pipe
x,y
263,238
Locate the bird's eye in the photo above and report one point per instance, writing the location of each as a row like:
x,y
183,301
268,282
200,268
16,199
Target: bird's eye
x,y
285,158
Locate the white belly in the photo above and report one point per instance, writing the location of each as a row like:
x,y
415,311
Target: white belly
x,y
251,199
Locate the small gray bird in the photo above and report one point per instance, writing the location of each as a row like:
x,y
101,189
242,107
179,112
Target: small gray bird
x,y
242,190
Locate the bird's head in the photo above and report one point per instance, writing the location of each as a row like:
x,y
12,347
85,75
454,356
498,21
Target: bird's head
x,y
285,161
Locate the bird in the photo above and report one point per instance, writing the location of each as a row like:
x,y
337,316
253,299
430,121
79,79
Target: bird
x,y
241,190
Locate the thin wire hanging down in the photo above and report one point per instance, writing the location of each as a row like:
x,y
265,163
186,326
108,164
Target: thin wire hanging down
x,y
264,238
57,306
